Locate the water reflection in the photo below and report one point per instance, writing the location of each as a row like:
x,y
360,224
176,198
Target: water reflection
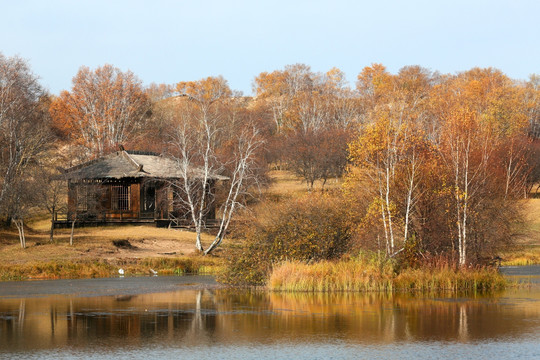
x,y
192,318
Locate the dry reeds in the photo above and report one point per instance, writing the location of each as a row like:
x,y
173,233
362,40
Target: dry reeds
x,y
526,255
57,269
361,275
105,268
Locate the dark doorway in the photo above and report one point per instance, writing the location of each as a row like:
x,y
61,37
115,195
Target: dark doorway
x,y
148,200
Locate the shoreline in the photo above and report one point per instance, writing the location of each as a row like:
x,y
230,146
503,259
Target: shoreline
x,y
139,285
114,286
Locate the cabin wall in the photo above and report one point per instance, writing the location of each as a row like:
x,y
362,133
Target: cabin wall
x,y
136,199
106,200
117,212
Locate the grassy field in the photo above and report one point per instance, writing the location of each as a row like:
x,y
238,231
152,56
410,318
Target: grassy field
x,y
93,253
527,247
286,185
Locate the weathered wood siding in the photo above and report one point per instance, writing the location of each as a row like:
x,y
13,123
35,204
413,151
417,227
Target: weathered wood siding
x,y
136,200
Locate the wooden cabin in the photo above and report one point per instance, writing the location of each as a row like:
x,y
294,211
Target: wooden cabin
x,y
129,187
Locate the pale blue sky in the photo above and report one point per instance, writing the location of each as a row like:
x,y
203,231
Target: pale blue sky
x,y
169,41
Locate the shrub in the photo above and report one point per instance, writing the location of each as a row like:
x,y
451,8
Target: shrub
x,y
309,229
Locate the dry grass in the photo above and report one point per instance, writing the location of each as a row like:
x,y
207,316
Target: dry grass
x,y
287,185
522,255
93,254
93,241
88,268
527,248
359,275
329,276
531,208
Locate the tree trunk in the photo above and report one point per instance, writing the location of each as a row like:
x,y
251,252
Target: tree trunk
x,y
72,230
51,234
20,227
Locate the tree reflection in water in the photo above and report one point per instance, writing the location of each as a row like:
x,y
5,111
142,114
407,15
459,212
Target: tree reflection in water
x,y
191,318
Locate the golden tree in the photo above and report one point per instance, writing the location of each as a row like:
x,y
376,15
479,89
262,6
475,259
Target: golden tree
x,y
104,108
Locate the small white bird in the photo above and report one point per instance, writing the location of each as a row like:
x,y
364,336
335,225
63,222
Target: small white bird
x,y
121,272
154,272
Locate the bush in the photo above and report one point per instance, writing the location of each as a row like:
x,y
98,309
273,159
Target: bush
x,y
309,229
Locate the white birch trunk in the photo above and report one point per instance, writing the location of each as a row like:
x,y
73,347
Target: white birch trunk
x,y
20,227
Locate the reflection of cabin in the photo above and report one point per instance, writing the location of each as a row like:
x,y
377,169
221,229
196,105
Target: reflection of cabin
x,y
128,187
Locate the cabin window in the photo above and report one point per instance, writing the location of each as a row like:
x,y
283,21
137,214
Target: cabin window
x,y
120,197
82,198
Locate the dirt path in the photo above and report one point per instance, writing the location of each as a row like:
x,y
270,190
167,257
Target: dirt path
x,y
146,248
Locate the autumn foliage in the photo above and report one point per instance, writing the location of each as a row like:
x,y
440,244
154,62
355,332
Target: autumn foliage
x,y
308,229
432,164
444,168
105,107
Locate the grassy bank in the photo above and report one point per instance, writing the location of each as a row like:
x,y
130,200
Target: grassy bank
x,y
522,256
89,268
526,250
358,275
93,253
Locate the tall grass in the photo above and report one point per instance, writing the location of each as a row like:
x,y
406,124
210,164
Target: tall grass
x,y
173,266
524,255
362,275
102,268
57,269
329,276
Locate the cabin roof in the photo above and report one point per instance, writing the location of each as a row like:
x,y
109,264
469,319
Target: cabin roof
x,y
132,164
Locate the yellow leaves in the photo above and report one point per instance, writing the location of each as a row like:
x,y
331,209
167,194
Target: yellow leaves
x,y
335,79
270,84
482,99
374,77
205,90
104,107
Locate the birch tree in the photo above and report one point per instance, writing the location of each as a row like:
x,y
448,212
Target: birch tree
x,y
208,144
24,130
391,147
389,158
481,116
104,108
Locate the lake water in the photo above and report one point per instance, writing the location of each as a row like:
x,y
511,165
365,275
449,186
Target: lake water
x,y
175,317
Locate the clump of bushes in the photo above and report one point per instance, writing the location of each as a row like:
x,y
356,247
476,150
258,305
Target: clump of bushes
x,y
308,229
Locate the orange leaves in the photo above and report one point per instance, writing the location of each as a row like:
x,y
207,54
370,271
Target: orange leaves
x,y
61,114
206,90
270,84
497,104
374,82
105,107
